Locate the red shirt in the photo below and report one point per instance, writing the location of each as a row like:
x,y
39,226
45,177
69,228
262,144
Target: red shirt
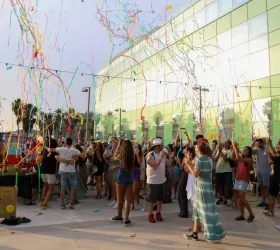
x,y
243,172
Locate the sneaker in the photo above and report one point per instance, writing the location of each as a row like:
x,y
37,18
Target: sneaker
x,y
277,227
112,203
71,206
115,206
158,216
152,218
117,219
193,236
262,204
139,207
268,213
127,223
219,201
225,203
62,206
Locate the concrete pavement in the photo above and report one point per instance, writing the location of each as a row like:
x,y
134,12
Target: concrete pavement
x,y
88,228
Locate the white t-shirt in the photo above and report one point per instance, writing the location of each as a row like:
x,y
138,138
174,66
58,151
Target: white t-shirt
x,y
156,176
67,153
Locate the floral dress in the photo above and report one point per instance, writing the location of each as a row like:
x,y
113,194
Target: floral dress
x,y
204,205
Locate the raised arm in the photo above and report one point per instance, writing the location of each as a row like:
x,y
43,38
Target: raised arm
x,y
271,148
154,163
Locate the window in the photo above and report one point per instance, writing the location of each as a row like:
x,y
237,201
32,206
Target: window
x,y
224,40
211,12
259,65
261,110
258,44
240,34
224,7
257,26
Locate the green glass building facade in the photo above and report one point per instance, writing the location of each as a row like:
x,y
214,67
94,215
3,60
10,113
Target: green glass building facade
x,y
218,62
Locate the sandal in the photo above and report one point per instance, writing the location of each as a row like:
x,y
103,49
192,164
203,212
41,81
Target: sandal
x,y
250,218
240,218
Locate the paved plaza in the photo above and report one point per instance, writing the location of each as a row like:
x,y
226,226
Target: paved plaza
x,y
88,227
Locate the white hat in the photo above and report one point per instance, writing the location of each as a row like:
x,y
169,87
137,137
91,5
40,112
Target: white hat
x,y
157,142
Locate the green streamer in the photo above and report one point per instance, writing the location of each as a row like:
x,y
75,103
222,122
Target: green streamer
x,y
16,184
39,183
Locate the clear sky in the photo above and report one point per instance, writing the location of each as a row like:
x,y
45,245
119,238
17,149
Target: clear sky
x,y
72,37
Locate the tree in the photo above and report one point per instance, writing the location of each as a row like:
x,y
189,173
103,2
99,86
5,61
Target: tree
x,y
267,111
17,110
29,118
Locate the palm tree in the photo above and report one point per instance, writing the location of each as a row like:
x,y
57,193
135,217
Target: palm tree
x,y
29,118
58,120
17,110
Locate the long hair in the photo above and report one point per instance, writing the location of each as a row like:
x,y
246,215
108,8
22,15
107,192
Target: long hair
x,y
127,155
101,149
250,152
140,149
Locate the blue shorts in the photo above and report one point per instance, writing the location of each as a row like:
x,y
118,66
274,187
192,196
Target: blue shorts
x,y
241,185
263,178
124,178
67,179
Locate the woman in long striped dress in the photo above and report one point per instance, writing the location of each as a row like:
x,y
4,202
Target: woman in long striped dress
x,y
205,213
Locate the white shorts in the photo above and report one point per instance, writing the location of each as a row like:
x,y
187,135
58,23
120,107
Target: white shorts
x,y
49,178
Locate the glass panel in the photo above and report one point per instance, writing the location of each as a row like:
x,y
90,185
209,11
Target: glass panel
x,y
276,109
237,3
274,38
223,24
210,31
258,44
240,34
198,6
259,64
239,16
257,26
275,60
189,26
275,85
224,7
199,18
262,117
276,132
211,12
256,7
272,3
260,88
240,51
273,19
224,40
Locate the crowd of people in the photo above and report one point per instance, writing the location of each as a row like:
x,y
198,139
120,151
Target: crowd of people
x,y
208,175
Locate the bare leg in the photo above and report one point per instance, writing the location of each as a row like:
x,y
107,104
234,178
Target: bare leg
x,y
114,189
72,195
44,191
62,196
196,227
264,190
128,196
98,185
151,208
159,206
120,197
136,191
272,201
49,193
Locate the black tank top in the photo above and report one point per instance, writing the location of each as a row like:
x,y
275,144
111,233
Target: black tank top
x,y
136,164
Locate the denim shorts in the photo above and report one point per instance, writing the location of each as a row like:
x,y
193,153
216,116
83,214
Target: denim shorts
x,y
241,186
67,179
124,178
263,178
